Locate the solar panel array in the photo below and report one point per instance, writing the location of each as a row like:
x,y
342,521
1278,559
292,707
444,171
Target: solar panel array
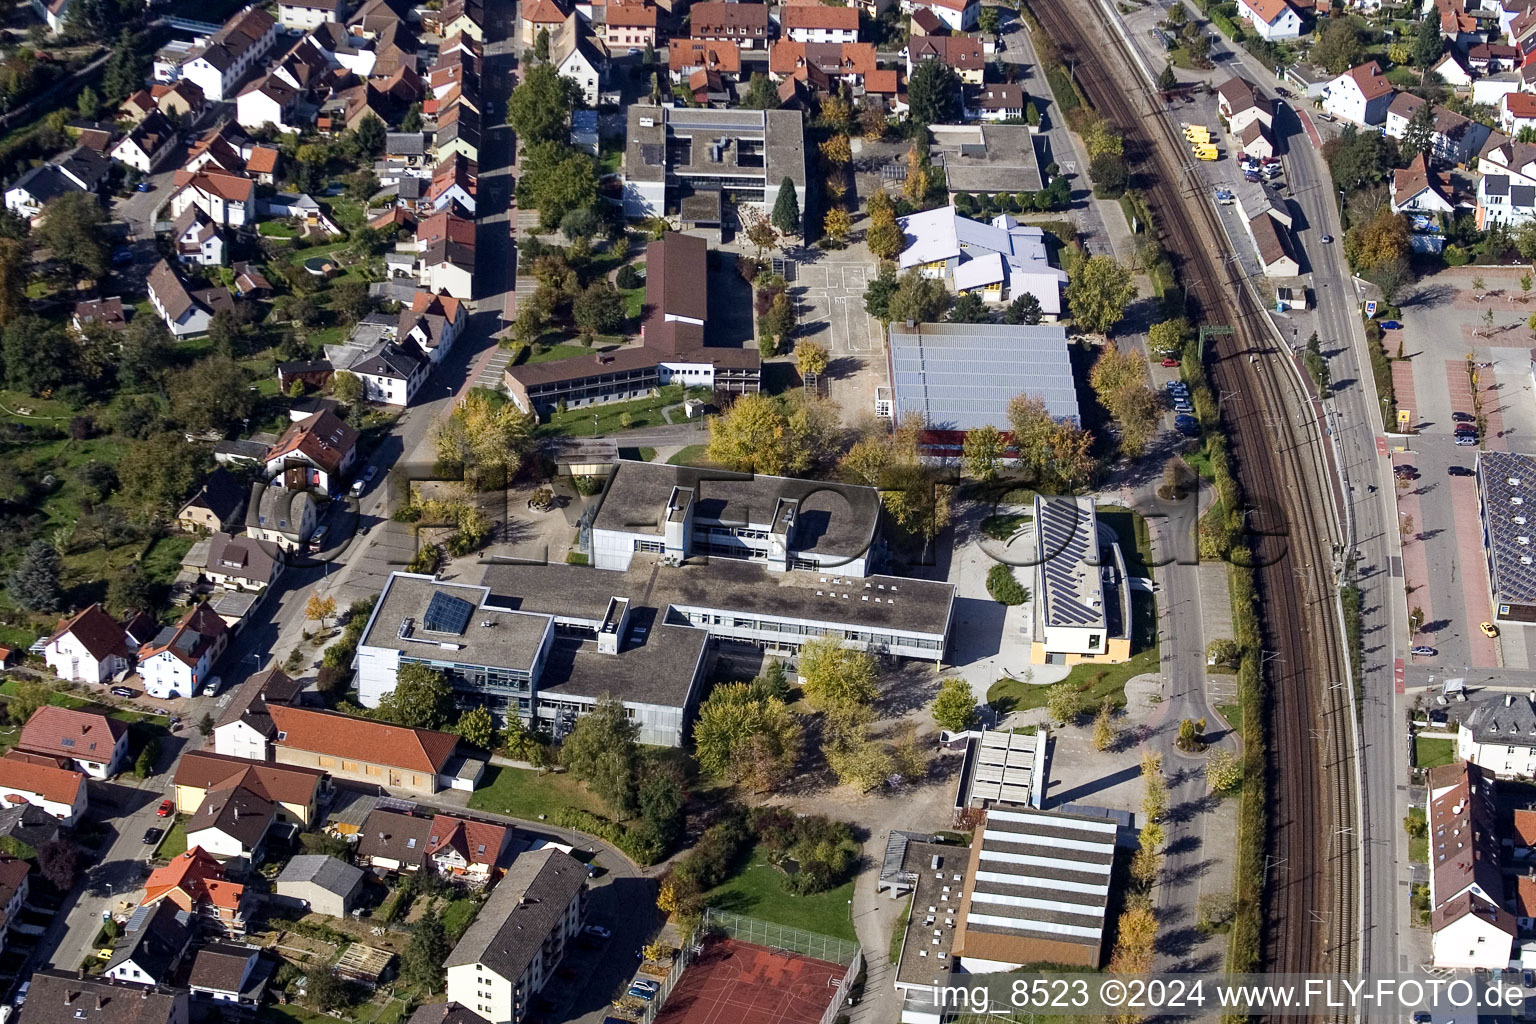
x,y
1067,540
962,376
1508,482
447,614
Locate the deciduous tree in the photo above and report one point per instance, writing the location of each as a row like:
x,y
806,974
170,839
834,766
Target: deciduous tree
x,y
72,228
918,299
811,357
747,738
1099,292
421,699
1064,703
476,728
836,676
980,450
1120,380
601,752
1339,47
347,387
955,706
540,106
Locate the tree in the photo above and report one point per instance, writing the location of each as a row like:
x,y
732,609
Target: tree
x,y
211,395
485,434
933,94
1154,796
836,151
14,270
421,699
144,764
157,473
967,309
1099,292
761,93
662,798
1356,158
60,862
476,728
759,231
601,752
885,240
836,224
919,179
1419,137
205,725
126,68
836,676
1427,44
989,21
1377,242
1053,452
39,357
980,450
34,584
1224,651
1119,381
918,299
325,990
765,434
347,387
28,695
811,357
747,737
955,706
1165,338
599,309
1104,726
882,288
1339,48
1023,310
540,106
73,228
861,765
1064,703
368,137
541,44
318,609
1223,771
556,180
421,962
129,590
1166,79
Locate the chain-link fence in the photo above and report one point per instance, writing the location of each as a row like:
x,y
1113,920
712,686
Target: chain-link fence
x,y
779,936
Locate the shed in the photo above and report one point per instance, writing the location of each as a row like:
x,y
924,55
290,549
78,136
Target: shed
x,y
321,884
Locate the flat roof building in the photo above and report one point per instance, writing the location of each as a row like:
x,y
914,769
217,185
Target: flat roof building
x,y
1082,596
985,159
1506,490
1003,767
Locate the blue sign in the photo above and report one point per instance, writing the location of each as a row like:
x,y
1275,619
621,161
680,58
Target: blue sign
x,y
1370,307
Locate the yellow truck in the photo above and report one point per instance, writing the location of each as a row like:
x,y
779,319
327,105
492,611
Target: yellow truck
x,y
1206,152
1197,133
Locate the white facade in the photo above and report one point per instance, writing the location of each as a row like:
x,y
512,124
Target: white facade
x,y
1344,99
1285,23
1471,943
258,107
68,657
1514,758
303,17
962,19
237,739
448,277
495,997
823,35
580,70
220,209
67,813
218,843
166,676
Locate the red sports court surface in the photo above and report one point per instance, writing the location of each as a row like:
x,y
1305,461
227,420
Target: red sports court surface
x,y
740,983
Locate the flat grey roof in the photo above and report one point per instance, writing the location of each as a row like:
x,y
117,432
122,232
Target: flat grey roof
x,y
654,667
725,584
835,519
989,158
936,899
781,132
962,376
1507,484
512,641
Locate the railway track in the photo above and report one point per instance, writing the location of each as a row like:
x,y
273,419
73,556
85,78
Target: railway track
x,y
1312,865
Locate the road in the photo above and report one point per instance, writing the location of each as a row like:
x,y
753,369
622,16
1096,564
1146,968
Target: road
x,y
1368,492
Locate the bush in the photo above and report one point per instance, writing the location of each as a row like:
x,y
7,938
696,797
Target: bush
x,y
1003,587
627,277
1456,256
710,861
823,850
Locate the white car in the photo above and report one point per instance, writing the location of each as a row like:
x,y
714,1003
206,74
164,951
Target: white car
x,y
212,687
597,931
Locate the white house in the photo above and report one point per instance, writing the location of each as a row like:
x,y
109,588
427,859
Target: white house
x,y
818,23
228,199
35,780
148,145
1455,139
304,15
319,884
1271,19
197,239
1490,89
268,101
1471,928
448,268
1452,71
227,974
1517,111
1470,935
313,453
1001,260
231,53
1415,189
92,647
244,729
54,13
958,15
179,661
14,887
1360,95
1506,184
232,824
185,315
150,954
1242,104
580,57
517,940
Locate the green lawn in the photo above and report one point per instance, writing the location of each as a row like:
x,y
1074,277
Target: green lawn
x,y
1135,540
1418,845
644,412
277,229
1003,527
756,891
456,915
693,455
899,931
1433,753
545,354
57,699
163,560
527,794
1093,679
175,842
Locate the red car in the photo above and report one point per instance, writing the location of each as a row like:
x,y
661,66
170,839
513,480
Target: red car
x,y
165,808
1170,361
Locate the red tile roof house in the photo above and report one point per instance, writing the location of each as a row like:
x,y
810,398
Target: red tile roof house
x,y
467,851
195,882
362,750
60,792
820,24
746,25
92,647
13,892
93,743
315,452
179,661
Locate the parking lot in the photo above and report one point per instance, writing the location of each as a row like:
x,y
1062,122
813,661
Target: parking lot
x,y
830,298
1445,339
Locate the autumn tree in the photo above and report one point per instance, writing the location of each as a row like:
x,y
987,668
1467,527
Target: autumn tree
x,y
775,434
836,225
1064,703
836,675
1377,242
747,737
318,608
1166,337
811,357
485,434
980,452
759,230
1104,726
836,150
1339,48
1223,771
912,493
347,387
477,728
1099,292
1052,451
885,239
1120,381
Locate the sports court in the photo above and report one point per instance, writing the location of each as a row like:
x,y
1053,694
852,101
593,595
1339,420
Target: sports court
x,y
733,982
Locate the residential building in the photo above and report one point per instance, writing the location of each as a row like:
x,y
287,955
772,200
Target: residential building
x,y
1255,142
512,948
67,997
280,516
1360,95
268,101
54,13
1517,111
1001,260
1457,24
630,24
1082,592
579,56
180,660
1272,244
1453,70
229,199
821,66
1416,190
229,975
186,313
1456,139
540,16
746,25
448,268
1471,929
675,345
818,23
362,750
195,882
993,102
147,147
1506,183
1271,19
92,647
244,729
956,15
231,53
37,780
28,825
958,377
316,452
319,884
90,742
964,54
1498,734
217,505
672,152
232,825
688,57
150,953
197,239
79,170
297,794
392,842
304,15
391,369
15,884
1036,890
1242,104
469,852
104,313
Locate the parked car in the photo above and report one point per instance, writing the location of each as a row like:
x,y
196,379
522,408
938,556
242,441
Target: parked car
x,y
1187,425
1488,628
597,931
143,186
122,256
1169,361
1405,472
1463,417
370,473
1466,440
1460,471
123,691
165,808
1391,325
152,836
318,537
1423,652
21,993
210,689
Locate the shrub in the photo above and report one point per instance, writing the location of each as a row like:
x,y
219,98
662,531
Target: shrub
x,y
627,277
1003,587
